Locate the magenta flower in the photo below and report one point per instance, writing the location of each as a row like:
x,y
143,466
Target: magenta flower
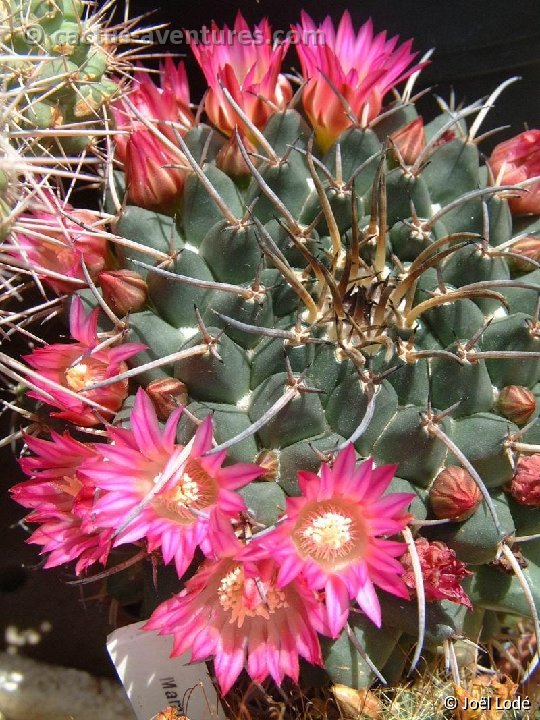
x,y
344,70
188,509
54,245
167,103
332,536
235,612
61,502
76,366
248,65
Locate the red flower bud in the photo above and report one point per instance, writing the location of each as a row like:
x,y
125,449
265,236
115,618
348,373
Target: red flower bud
x,y
454,494
517,403
167,395
525,486
514,161
441,570
124,291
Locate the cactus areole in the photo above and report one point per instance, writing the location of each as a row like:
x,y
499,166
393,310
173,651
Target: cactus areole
x,y
330,311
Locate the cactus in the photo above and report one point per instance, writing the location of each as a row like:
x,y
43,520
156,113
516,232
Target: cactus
x,y
59,71
314,278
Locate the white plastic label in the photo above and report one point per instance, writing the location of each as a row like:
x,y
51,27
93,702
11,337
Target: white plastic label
x,y
154,681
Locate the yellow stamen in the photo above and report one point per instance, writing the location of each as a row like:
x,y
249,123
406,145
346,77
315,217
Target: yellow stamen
x,y
330,533
78,377
248,598
331,529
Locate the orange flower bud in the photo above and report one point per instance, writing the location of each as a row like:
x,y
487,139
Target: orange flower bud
x,y
410,140
124,291
269,460
229,159
517,403
167,395
454,494
529,247
357,703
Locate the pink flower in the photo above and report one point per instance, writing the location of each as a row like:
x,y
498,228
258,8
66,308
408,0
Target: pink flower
x,y
169,102
514,161
361,68
236,613
332,536
247,64
54,245
61,503
155,176
188,510
76,366
525,486
441,570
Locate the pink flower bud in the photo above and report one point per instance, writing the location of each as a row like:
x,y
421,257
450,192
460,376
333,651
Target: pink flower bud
x,y
525,486
124,291
514,161
155,179
517,403
454,494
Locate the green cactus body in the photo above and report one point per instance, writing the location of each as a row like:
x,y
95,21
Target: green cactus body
x,y
367,313
327,298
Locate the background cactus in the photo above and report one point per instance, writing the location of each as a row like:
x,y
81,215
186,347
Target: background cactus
x,y
59,69
367,293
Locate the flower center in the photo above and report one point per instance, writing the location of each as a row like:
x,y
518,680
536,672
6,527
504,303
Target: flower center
x,y
78,377
195,490
69,484
330,533
248,597
330,530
